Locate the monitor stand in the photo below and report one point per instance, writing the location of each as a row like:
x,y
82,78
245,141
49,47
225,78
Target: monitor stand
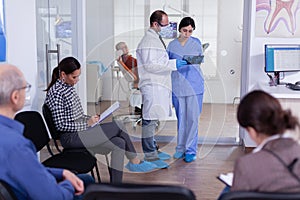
x,y
277,78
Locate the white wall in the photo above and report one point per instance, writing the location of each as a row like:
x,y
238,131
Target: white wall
x,y
253,57
100,38
21,40
129,19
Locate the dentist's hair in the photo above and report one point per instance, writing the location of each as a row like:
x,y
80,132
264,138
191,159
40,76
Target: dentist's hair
x,y
156,16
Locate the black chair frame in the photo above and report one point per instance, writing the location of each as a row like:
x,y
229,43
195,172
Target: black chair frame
x,y
130,191
6,192
36,130
55,135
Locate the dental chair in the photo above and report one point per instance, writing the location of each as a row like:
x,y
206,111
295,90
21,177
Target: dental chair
x,y
135,97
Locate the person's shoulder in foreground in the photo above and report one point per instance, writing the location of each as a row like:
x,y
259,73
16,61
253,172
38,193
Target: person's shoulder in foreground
x,y
277,154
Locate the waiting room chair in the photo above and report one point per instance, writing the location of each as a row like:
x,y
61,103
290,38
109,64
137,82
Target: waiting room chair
x,y
134,92
6,192
36,130
239,195
55,135
128,191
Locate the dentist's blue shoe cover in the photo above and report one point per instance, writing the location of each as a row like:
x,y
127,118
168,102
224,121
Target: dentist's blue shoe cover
x,y
144,166
163,155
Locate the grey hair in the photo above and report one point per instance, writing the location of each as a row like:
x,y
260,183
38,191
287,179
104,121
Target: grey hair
x,y
10,80
118,45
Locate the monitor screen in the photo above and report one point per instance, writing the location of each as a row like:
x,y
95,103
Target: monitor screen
x,y
282,57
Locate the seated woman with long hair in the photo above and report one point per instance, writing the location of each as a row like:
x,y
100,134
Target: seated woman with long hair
x,y
76,127
274,165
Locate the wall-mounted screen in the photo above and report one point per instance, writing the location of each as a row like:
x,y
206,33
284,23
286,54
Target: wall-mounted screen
x,y
282,57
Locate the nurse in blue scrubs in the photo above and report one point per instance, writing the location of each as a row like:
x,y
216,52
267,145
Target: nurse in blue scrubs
x,y
188,89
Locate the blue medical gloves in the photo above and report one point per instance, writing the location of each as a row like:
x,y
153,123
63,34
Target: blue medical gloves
x,y
180,63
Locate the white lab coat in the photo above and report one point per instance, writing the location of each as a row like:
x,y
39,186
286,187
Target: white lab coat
x,y
155,83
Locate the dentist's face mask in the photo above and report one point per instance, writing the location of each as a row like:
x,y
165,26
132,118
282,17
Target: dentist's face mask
x,y
165,30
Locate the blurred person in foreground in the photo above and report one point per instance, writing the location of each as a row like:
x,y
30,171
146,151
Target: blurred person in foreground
x,y
274,165
20,167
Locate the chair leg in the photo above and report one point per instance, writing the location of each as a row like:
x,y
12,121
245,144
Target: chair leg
x,y
108,166
93,175
97,172
56,146
49,150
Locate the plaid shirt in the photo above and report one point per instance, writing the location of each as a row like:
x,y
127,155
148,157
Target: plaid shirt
x,y
66,109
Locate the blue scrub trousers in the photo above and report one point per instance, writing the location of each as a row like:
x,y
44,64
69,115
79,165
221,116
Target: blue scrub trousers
x,y
188,109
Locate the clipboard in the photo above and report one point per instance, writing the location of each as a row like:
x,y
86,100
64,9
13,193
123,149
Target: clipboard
x,y
107,112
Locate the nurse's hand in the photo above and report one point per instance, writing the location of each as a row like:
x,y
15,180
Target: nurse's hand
x,y
180,63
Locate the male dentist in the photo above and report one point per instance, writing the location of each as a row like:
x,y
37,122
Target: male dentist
x,y
155,69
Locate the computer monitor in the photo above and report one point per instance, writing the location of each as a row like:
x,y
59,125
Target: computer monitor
x,y
282,57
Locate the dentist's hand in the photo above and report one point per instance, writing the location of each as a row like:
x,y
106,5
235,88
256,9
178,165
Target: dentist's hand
x,y
180,63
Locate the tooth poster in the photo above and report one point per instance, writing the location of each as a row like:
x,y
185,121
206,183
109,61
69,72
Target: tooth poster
x,y
277,18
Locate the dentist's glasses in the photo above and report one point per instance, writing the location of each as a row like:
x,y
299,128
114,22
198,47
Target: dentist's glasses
x,y
163,25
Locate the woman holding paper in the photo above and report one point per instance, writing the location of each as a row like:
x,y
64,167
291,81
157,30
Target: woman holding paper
x,y
274,165
188,89
78,130
267,124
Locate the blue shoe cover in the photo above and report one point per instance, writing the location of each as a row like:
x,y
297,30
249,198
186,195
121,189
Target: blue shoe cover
x,y
144,166
163,155
190,158
160,164
178,155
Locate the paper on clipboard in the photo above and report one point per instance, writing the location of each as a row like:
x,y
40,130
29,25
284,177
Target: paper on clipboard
x,y
107,112
226,178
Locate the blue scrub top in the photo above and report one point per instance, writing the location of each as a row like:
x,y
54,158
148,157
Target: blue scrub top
x,y
188,80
